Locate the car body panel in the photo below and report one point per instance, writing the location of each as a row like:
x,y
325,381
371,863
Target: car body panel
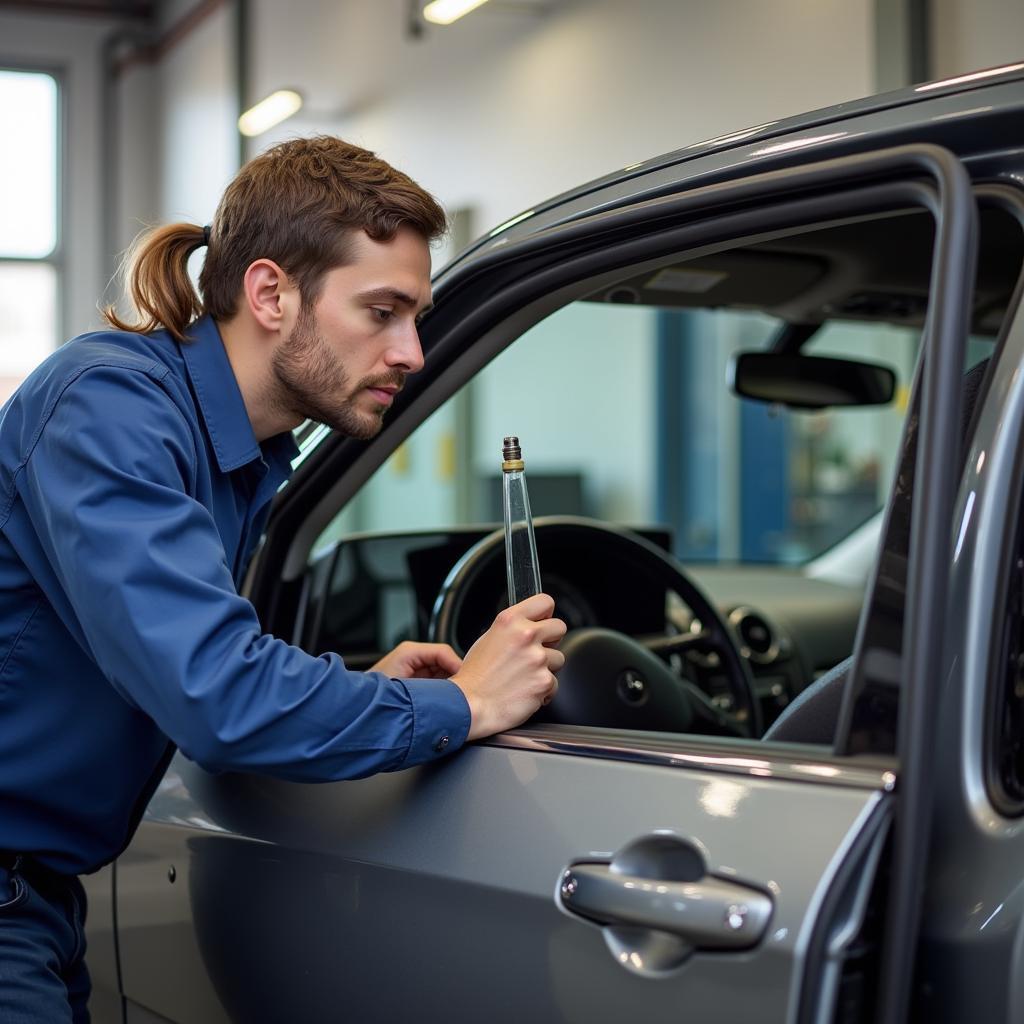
x,y
104,968
973,923
415,889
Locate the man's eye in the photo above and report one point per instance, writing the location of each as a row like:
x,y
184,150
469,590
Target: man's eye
x,y
382,315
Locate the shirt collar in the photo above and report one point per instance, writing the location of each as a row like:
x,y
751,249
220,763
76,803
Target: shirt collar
x,y
279,452
221,403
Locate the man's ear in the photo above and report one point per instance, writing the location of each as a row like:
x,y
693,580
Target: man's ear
x,y
270,295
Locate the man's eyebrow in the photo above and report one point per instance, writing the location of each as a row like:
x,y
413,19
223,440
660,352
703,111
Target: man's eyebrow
x,y
392,295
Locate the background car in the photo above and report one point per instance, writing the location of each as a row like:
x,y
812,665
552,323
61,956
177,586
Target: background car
x,y
750,835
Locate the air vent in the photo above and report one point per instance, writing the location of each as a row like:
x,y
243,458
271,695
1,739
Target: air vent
x,y
759,640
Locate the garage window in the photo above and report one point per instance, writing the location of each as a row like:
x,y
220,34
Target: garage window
x,y
29,223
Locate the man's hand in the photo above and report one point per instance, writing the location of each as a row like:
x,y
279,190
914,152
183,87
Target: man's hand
x,y
413,660
509,672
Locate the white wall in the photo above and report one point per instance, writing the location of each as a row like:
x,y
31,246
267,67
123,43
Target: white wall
x,y
138,158
972,34
505,108
176,124
197,114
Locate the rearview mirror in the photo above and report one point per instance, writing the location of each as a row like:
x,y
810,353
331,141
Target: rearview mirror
x,y
810,382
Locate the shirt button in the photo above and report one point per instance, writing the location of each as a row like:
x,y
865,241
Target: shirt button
x,y
441,745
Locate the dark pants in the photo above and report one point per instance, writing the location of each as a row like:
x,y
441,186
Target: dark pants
x,y
43,977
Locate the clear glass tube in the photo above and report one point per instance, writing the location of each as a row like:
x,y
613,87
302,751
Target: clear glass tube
x,y
521,562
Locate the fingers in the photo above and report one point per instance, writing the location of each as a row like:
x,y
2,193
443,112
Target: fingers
x,y
444,658
550,631
538,607
510,671
414,659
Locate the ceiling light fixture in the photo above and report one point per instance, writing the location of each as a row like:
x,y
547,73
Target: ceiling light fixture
x,y
444,12
277,107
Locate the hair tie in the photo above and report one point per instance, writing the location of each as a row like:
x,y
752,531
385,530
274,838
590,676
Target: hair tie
x,y
206,235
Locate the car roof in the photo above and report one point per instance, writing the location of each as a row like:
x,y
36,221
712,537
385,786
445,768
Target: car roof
x,y
960,112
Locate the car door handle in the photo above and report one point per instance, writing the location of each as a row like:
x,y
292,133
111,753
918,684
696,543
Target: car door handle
x,y
709,914
656,903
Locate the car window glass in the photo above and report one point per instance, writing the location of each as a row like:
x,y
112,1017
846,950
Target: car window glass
x,y
585,390
625,416
622,402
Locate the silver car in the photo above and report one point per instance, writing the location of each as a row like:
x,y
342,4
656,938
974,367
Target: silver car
x,y
770,399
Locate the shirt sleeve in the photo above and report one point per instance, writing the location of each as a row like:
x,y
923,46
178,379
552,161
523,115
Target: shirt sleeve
x,y
108,487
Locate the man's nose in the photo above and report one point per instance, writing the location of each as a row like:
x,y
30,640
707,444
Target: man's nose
x,y
405,352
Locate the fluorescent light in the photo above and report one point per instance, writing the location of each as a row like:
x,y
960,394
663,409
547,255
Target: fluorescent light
x,y
444,12
273,110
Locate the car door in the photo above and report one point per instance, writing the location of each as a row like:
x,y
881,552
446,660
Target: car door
x,y
563,872
973,970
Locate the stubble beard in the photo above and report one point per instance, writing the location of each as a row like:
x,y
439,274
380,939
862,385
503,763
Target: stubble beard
x,y
310,382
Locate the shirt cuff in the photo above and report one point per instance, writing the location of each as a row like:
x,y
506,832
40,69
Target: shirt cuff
x,y
440,720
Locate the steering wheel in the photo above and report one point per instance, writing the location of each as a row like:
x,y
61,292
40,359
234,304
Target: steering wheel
x,y
611,679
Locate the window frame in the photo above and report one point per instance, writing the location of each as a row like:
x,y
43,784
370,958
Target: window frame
x,y
532,281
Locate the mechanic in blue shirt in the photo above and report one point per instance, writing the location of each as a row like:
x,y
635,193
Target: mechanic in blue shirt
x,y
136,470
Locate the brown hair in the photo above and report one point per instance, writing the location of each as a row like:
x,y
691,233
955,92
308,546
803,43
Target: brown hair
x,y
296,204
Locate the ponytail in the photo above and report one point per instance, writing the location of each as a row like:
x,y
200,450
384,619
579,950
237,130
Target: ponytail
x,y
156,276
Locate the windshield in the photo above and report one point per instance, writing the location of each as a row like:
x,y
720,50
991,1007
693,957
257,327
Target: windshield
x,y
625,415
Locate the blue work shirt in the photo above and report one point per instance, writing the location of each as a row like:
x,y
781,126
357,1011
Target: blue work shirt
x,y
132,493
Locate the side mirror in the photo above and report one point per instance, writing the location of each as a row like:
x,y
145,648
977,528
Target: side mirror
x,y
810,382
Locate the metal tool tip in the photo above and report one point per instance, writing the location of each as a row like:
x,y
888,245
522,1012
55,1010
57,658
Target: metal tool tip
x,y
510,449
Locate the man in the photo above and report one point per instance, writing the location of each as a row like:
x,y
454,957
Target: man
x,y
136,469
